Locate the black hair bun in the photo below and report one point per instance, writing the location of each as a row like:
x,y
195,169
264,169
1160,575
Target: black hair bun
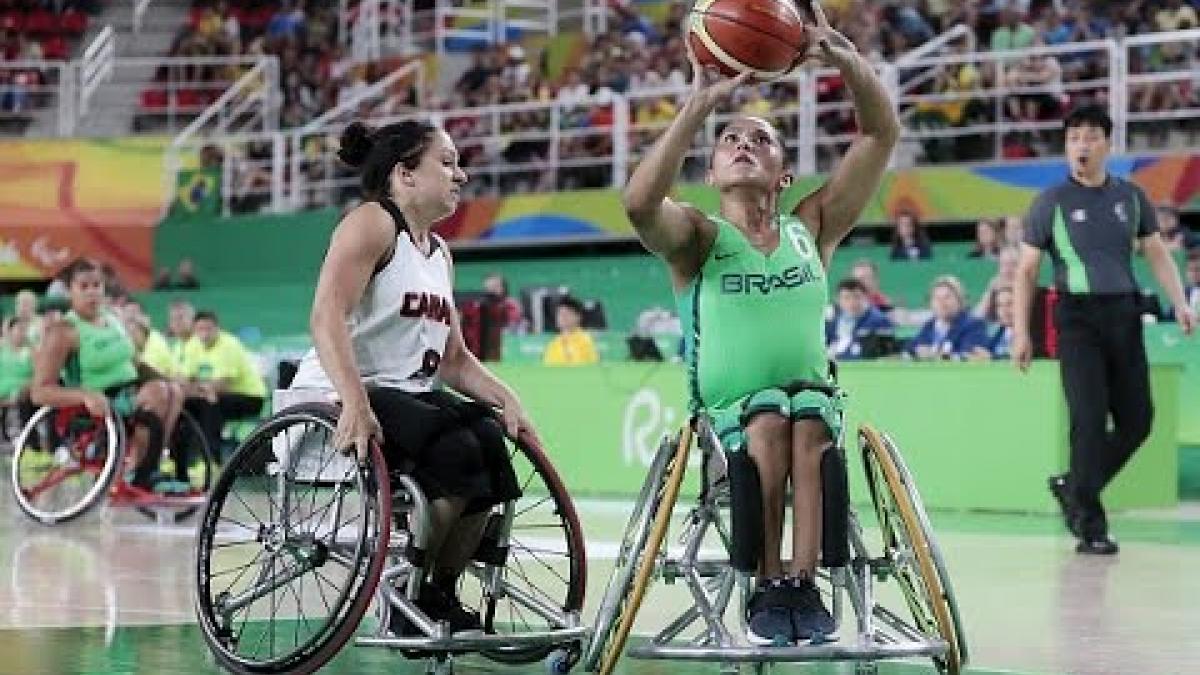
x,y
356,144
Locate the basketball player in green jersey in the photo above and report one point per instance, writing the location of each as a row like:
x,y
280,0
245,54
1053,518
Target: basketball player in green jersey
x,y
752,290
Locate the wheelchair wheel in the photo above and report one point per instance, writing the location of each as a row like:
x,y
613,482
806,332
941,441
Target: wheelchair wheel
x,y
290,546
909,544
546,561
64,461
189,445
638,554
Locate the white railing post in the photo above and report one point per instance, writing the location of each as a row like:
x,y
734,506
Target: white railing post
x,y
278,162
891,83
1118,94
806,126
96,66
139,13
227,171
620,141
67,78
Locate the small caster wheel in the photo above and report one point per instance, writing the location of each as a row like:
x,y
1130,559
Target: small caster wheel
x,y
561,661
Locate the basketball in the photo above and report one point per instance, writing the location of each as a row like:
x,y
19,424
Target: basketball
x,y
764,37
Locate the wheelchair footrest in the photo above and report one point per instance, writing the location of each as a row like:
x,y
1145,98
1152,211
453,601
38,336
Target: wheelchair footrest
x,y
475,642
829,651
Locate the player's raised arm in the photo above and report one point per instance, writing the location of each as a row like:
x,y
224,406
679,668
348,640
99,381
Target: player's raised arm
x,y
833,209
664,226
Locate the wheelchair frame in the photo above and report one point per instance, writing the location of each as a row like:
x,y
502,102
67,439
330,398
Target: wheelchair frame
x,y
387,562
880,633
79,457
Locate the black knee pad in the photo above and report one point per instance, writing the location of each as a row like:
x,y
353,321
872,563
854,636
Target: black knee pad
x,y
746,512
835,509
155,432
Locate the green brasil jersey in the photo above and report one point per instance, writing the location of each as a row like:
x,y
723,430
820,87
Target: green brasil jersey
x,y
105,357
16,369
752,321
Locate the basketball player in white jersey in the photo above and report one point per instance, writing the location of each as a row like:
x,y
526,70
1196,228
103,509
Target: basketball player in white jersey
x,y
385,332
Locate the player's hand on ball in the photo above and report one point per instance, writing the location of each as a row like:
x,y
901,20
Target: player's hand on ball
x,y
1021,351
709,86
826,44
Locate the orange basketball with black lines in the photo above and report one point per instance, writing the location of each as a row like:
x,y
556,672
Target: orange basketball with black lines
x,y
765,37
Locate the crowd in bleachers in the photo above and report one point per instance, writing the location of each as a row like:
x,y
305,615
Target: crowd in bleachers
x,y
35,30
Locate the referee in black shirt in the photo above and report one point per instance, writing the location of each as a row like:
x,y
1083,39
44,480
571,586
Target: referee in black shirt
x,y
1088,225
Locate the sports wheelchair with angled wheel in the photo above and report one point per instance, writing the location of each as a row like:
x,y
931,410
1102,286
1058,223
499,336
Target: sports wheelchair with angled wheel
x,y
848,573
66,461
297,539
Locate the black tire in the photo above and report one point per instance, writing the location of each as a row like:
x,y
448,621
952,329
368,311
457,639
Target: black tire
x,y
202,463
58,484
357,541
546,559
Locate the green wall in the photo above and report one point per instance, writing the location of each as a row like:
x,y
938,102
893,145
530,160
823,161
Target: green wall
x,y
975,436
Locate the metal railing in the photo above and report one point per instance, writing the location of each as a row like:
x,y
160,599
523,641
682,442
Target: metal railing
x,y
32,87
140,7
370,29
596,141
1161,70
96,66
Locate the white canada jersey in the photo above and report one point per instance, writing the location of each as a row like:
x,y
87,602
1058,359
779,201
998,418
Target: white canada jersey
x,y
400,328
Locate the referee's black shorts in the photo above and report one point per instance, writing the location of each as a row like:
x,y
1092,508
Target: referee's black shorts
x,y
452,447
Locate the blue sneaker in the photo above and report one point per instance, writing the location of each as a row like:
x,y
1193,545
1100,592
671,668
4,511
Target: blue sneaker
x,y
811,622
768,619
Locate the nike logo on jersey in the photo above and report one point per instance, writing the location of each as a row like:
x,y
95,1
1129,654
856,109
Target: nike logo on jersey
x,y
724,256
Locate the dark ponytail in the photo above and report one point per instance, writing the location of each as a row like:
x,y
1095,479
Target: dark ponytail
x,y
376,153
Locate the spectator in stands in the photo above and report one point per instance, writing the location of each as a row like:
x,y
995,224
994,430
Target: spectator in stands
x,y
477,74
1014,231
16,367
1006,270
1013,32
909,240
496,287
951,333
1052,29
185,275
25,308
1174,235
1175,15
573,346
854,323
288,22
987,240
162,280
998,343
1192,279
908,22
223,378
1042,72
152,349
180,317
867,273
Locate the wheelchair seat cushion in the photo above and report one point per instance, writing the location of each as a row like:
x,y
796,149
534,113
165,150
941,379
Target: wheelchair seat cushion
x,y
451,447
730,422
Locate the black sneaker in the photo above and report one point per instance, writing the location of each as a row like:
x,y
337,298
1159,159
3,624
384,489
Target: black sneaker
x,y
1097,545
1058,488
768,619
810,620
441,605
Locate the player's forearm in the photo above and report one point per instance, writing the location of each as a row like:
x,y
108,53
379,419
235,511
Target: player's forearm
x,y
467,375
876,114
1023,284
655,175
1163,266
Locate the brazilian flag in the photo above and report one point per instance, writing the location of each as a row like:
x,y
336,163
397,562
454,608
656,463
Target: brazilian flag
x,y
198,192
